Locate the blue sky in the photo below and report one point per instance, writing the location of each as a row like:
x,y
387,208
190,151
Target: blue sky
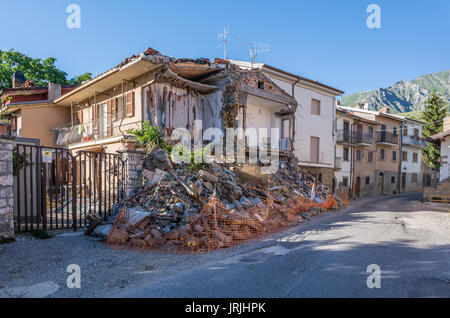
x,y
323,40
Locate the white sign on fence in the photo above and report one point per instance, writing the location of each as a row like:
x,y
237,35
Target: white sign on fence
x,y
47,156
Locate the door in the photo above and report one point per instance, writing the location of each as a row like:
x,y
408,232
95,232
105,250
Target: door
x,y
314,149
403,181
346,131
357,186
380,183
359,133
383,132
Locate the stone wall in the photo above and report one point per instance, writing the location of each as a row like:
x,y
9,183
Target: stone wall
x,y
326,174
6,190
134,161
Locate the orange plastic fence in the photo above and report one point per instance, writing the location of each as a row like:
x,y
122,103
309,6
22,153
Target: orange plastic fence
x,y
213,228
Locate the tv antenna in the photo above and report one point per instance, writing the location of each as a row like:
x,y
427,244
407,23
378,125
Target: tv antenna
x,y
223,37
257,48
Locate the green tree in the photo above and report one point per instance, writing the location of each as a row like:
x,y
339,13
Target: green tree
x,y
41,71
435,111
78,80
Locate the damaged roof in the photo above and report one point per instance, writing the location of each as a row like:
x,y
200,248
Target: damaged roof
x,y
272,69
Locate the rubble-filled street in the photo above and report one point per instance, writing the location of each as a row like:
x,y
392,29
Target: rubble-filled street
x,y
327,256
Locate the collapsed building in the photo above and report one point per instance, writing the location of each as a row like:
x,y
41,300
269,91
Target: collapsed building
x,y
173,93
211,205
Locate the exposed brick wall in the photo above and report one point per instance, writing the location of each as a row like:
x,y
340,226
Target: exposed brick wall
x,y
253,79
6,190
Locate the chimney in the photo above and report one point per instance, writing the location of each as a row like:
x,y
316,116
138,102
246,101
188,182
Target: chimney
x,y
447,123
385,110
54,91
18,78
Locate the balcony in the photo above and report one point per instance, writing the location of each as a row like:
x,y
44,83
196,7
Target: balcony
x,y
105,127
355,138
344,137
387,138
363,139
414,141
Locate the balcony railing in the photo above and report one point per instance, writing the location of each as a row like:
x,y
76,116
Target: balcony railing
x,y
387,137
414,141
104,127
345,136
360,138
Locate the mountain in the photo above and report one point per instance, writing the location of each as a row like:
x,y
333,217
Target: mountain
x,y
404,96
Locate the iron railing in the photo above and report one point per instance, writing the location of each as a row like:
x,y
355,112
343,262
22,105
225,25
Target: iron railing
x,y
414,141
346,136
387,137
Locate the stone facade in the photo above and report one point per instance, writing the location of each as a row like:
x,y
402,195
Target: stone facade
x,y
134,161
324,175
389,182
6,190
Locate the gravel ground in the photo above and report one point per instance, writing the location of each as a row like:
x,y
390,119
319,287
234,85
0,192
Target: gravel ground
x,y
37,268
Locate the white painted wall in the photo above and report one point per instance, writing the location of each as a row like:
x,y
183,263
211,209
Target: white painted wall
x,y
308,125
445,167
409,166
346,165
261,117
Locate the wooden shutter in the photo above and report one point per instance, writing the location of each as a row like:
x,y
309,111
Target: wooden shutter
x,y
114,109
314,149
130,104
94,119
109,108
80,116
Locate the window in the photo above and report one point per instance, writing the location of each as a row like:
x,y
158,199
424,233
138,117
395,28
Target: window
x,y
414,178
393,179
394,155
371,131
314,149
358,155
405,131
346,154
370,156
415,157
382,154
405,156
261,84
416,132
345,181
395,131
367,180
315,107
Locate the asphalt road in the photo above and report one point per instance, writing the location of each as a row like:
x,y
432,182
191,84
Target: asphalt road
x,y
329,256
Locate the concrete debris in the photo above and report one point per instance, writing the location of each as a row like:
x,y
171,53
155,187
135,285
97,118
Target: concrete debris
x,y
171,206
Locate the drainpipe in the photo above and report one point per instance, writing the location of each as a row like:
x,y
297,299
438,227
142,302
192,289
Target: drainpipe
x,y
400,155
352,161
293,119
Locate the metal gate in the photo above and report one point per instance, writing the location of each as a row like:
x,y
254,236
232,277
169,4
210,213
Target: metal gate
x,y
55,190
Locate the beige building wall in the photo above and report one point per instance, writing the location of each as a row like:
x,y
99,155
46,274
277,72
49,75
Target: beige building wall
x,y
36,122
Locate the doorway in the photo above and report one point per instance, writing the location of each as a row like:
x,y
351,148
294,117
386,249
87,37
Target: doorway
x,y
380,183
404,182
357,186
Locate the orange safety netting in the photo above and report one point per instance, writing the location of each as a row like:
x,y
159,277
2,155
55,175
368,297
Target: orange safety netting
x,y
213,228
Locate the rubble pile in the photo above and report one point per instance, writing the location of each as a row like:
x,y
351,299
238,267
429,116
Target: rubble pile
x,y
213,206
